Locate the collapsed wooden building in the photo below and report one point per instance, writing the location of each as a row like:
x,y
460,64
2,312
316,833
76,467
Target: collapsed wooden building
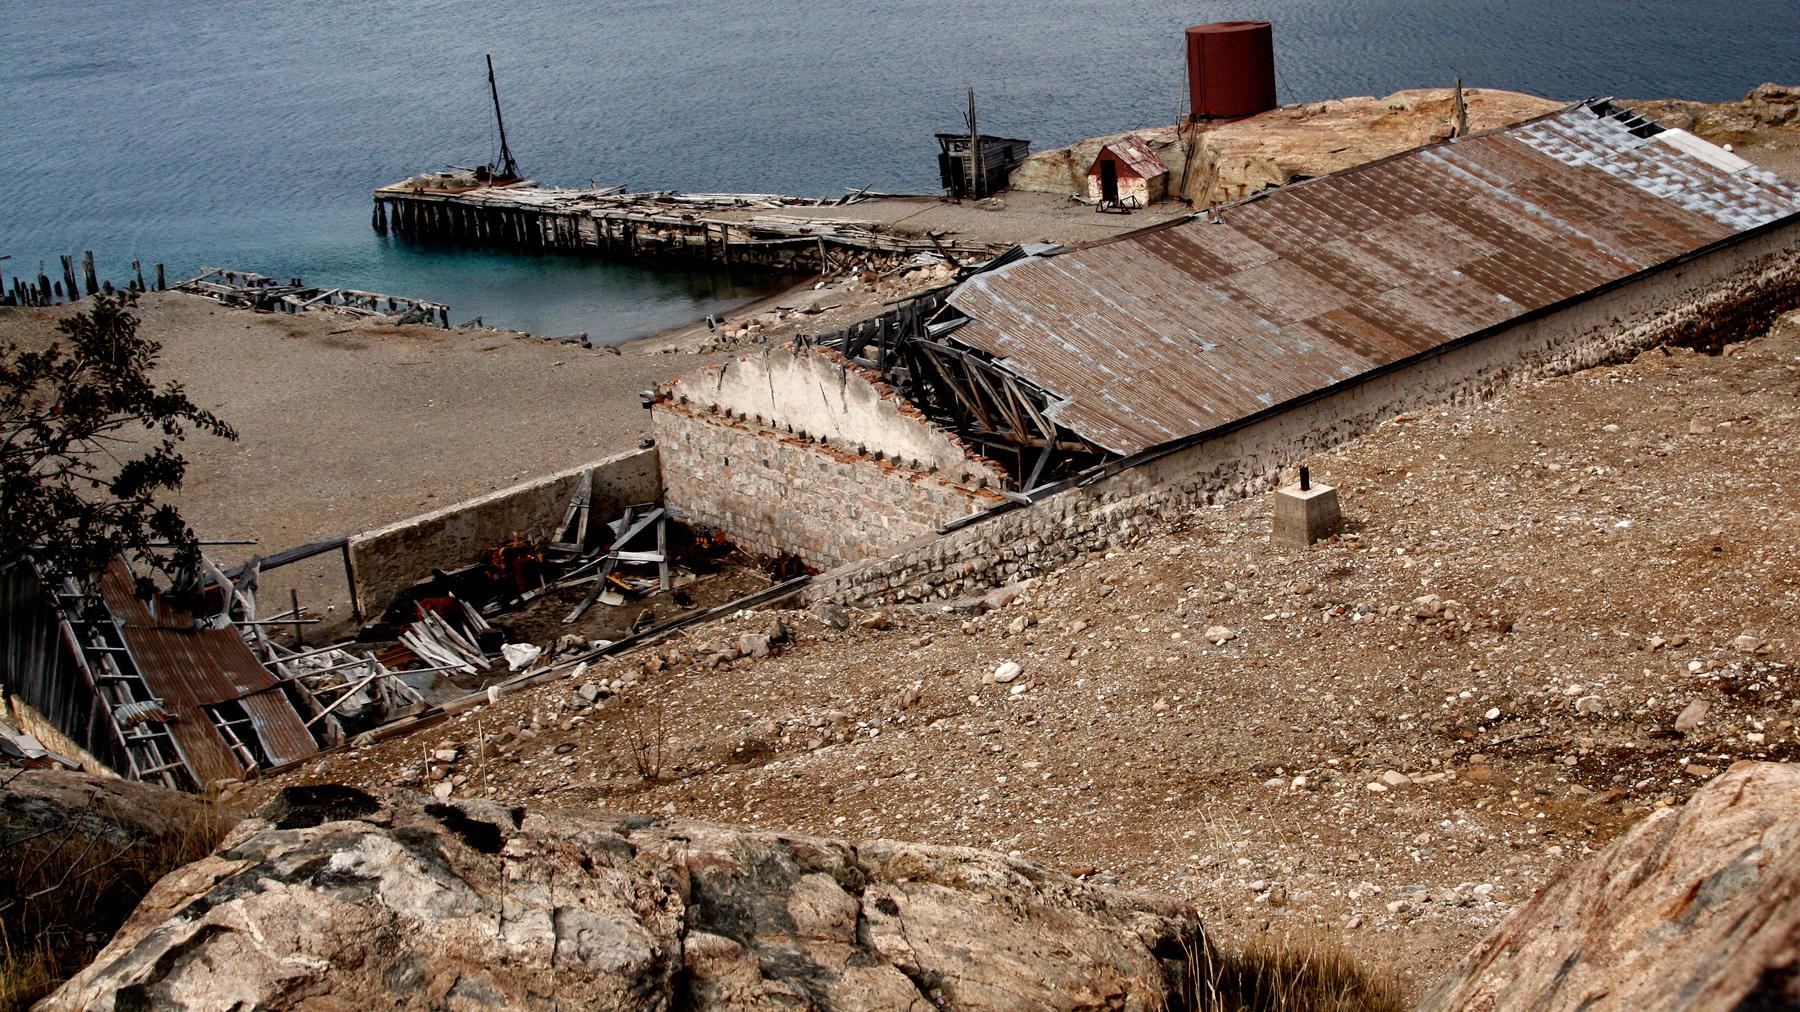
x,y
181,689
1236,341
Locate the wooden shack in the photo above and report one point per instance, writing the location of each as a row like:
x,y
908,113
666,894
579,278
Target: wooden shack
x,y
957,165
1127,172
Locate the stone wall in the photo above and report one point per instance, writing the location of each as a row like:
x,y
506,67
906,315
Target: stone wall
x,y
817,394
390,559
776,492
1717,296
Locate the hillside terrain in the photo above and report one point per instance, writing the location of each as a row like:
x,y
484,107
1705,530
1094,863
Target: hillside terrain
x,y
1550,615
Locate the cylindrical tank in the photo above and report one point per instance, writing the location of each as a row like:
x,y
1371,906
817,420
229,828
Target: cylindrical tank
x,y
1231,69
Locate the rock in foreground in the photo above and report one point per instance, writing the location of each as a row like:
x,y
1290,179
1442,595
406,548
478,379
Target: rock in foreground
x,y
333,898
1696,908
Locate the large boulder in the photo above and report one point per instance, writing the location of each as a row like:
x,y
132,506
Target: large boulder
x,y
1695,908
334,898
48,806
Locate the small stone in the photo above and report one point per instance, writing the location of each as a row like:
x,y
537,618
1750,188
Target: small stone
x,y
833,616
446,755
1007,671
442,790
753,645
1692,716
1588,705
1395,778
1696,770
1492,714
1018,625
1377,787
590,693
1219,635
1747,644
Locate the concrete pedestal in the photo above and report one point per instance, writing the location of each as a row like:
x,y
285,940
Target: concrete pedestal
x,y
1303,517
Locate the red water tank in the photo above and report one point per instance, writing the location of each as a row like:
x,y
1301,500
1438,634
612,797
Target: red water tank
x,y
1231,69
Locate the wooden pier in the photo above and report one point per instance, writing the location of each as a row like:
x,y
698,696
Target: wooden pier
x,y
762,230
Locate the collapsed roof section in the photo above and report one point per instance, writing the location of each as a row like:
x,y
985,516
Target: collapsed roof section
x,y
147,687
1186,327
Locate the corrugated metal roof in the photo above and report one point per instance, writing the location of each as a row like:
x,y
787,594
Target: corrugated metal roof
x,y
1180,329
1136,155
189,668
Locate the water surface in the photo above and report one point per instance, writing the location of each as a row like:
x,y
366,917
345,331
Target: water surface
x,y
249,134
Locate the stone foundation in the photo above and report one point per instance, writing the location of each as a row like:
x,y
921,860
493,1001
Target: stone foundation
x,y
776,493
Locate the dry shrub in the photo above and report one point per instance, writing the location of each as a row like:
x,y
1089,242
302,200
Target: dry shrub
x,y
1304,972
65,889
647,724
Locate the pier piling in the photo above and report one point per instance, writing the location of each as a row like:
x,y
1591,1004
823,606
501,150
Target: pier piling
x,y
87,271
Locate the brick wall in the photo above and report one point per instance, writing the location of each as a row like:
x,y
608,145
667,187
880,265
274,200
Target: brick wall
x,y
1726,292
772,492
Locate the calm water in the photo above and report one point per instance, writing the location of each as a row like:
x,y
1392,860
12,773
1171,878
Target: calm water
x,y
250,133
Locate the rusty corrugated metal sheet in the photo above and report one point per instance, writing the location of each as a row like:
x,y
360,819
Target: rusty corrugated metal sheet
x,y
191,668
1135,154
1180,329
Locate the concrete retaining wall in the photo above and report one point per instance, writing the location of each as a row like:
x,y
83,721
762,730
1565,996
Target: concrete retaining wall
x,y
1726,291
389,559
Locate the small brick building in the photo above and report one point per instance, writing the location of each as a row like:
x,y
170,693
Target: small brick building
x,y
1127,170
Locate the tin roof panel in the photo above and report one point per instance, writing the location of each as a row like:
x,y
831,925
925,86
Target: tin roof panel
x,y
1181,328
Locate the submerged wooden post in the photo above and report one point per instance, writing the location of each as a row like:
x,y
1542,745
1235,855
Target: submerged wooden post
x,y
137,273
68,266
87,271
161,285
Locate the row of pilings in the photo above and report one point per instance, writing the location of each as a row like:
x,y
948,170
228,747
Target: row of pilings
x,y
44,290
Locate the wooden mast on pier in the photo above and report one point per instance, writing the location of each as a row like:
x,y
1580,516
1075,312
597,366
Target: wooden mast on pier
x,y
508,169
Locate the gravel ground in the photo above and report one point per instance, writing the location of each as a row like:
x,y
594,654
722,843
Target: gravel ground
x,y
1401,734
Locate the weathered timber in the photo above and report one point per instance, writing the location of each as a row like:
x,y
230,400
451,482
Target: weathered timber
x,y
647,225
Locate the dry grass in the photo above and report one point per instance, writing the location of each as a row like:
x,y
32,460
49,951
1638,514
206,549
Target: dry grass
x,y
63,893
1303,972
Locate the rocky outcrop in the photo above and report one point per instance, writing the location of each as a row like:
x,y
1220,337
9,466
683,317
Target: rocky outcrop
x,y
1696,908
1235,159
48,805
1764,107
331,897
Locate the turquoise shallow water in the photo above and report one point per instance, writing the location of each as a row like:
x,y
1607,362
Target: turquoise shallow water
x,y
249,134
